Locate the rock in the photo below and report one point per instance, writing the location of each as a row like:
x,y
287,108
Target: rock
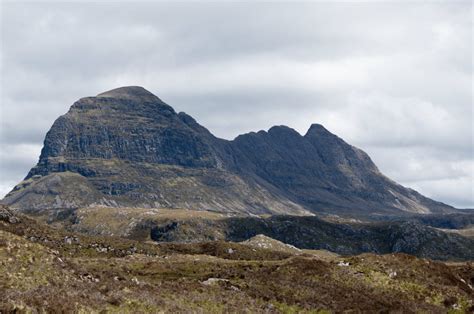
x,y
213,281
7,215
265,242
70,240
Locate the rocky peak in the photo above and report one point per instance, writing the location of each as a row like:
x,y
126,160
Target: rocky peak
x,y
125,101
283,131
127,123
317,130
129,92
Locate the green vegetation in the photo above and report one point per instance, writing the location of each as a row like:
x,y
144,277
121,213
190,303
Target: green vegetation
x,y
52,270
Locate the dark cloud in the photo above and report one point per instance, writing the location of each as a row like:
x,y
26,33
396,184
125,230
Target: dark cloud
x,y
392,78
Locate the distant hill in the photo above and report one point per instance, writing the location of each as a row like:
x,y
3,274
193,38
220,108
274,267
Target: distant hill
x,y
312,233
127,148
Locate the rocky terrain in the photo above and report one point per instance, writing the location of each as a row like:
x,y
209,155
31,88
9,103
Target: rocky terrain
x,y
43,269
341,236
127,148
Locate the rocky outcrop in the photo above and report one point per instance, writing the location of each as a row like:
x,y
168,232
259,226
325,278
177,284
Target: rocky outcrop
x,y
126,147
306,232
8,216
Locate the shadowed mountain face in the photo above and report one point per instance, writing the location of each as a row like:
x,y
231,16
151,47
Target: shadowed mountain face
x,y
126,147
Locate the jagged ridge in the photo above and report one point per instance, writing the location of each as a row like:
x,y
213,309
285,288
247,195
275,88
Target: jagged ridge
x,y
126,147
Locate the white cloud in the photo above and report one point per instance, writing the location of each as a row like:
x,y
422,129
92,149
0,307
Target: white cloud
x,y
15,162
393,121
454,191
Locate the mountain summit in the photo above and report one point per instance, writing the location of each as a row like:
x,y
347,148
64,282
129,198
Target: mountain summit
x,y
130,92
127,148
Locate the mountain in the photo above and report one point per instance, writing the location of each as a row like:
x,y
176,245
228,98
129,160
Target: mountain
x,y
127,148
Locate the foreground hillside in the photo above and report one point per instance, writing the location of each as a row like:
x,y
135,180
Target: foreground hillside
x,y
52,270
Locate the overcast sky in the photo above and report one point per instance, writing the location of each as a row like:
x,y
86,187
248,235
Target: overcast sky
x,y
394,79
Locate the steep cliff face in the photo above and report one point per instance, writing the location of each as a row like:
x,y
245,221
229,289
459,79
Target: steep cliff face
x,y
126,147
129,124
322,172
